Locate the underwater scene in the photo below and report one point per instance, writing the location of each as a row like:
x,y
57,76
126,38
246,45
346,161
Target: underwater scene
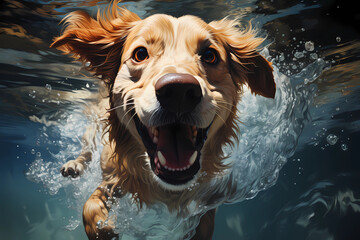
x,y
295,172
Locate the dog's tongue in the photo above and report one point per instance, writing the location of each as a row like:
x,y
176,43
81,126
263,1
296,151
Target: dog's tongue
x,y
175,143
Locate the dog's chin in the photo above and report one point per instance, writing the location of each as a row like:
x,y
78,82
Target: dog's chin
x,y
174,152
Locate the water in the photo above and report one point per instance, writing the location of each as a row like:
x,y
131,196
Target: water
x,y
296,168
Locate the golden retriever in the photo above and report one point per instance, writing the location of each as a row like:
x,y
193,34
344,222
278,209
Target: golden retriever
x,y
173,87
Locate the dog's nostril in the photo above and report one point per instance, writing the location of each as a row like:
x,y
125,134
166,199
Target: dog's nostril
x,y
193,93
178,92
164,92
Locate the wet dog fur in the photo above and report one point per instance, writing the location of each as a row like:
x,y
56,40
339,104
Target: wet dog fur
x,y
131,56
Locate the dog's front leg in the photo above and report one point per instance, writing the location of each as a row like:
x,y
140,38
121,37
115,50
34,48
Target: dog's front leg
x,y
75,168
95,214
205,229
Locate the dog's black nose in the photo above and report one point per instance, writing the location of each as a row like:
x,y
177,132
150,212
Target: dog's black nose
x,y
178,92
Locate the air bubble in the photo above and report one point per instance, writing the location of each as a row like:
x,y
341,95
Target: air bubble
x,y
344,147
299,55
309,46
313,56
332,139
338,39
48,87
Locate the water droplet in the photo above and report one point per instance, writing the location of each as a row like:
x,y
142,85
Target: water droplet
x,y
303,29
99,224
332,139
309,46
313,56
32,151
87,85
48,87
299,55
344,147
338,39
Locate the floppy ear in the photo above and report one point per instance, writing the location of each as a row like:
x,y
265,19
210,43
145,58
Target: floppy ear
x,y
97,42
245,63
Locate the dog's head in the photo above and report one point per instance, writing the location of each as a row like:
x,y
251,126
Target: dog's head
x,y
174,84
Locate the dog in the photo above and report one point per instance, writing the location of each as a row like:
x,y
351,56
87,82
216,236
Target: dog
x,y
173,85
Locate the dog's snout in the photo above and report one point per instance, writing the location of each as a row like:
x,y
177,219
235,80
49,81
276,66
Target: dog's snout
x,y
178,92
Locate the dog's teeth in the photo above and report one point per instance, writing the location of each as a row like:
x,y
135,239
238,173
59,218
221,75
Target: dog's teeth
x,y
162,159
155,140
193,158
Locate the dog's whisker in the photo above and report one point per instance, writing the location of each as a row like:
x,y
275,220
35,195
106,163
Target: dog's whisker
x,y
120,106
228,109
127,125
127,112
114,108
221,118
224,102
219,106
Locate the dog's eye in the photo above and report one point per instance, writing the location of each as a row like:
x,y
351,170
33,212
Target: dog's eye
x,y
210,56
140,54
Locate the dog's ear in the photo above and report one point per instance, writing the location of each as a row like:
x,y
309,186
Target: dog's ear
x,y
97,42
245,63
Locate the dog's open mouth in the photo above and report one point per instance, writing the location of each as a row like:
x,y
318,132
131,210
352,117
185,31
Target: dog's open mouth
x,y
174,150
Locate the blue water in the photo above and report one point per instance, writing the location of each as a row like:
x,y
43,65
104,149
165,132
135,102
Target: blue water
x,y
315,194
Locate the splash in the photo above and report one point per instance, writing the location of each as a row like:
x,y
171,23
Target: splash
x,y
269,135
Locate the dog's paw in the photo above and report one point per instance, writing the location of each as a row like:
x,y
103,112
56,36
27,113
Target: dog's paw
x,y
96,219
72,168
